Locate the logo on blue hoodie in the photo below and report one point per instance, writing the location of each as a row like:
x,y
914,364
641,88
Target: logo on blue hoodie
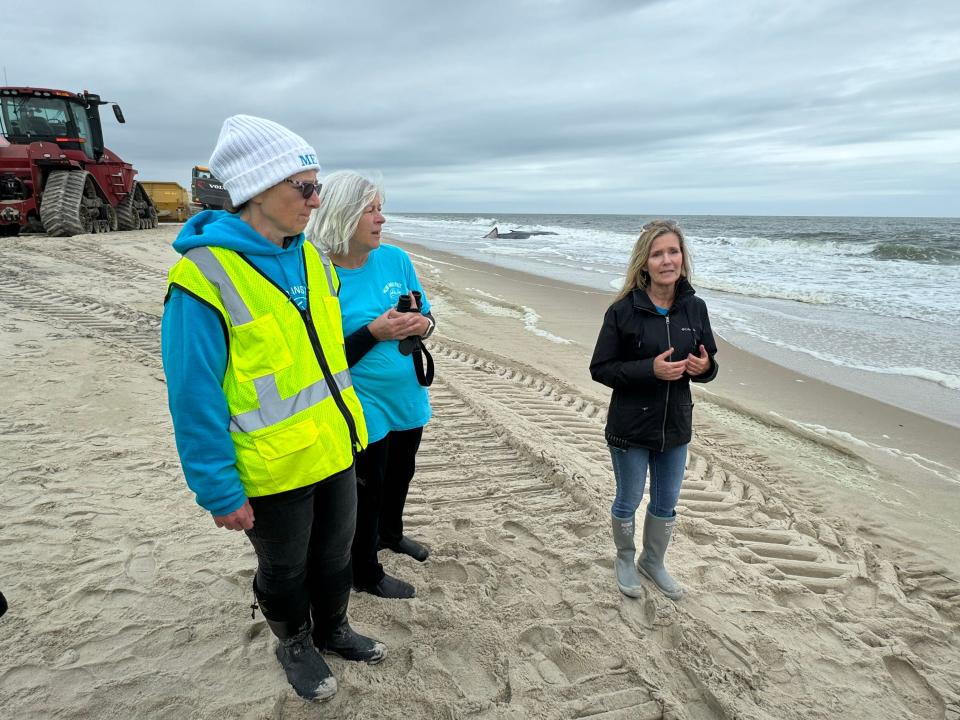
x,y
308,159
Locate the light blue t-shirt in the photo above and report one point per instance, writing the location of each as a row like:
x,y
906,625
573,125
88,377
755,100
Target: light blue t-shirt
x,y
384,379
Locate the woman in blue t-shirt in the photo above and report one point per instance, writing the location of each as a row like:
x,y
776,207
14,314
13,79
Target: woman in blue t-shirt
x,y
373,277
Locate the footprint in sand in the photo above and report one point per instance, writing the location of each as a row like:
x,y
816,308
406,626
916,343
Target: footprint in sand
x,y
218,586
468,666
141,565
582,530
395,633
917,696
183,635
562,610
556,662
451,571
519,531
861,596
641,612
402,660
255,630
544,666
71,683
68,658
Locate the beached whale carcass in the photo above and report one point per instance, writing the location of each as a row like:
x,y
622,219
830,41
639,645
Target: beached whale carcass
x,y
515,234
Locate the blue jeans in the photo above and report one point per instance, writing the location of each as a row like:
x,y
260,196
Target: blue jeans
x,y
666,474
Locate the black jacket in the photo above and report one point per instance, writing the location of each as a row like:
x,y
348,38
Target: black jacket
x,y
645,411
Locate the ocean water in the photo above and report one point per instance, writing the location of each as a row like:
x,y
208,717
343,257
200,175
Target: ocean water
x,y
869,304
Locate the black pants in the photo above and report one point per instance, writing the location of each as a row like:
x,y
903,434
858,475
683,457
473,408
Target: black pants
x,y
384,472
302,538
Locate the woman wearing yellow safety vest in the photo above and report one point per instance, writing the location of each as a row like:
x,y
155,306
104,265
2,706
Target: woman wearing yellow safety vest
x,y
266,419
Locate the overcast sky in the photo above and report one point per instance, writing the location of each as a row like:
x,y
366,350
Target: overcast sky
x,y
812,107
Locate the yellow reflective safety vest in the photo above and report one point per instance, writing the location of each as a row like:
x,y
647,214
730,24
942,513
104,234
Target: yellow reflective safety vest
x,y
295,417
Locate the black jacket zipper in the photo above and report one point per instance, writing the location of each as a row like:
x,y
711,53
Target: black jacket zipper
x,y
666,404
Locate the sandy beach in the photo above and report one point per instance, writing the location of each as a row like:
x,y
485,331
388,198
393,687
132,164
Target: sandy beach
x,y
817,540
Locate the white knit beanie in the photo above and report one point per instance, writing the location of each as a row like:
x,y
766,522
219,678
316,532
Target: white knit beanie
x,y
253,154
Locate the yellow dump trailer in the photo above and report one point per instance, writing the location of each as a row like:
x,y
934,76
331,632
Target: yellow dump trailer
x,y
170,198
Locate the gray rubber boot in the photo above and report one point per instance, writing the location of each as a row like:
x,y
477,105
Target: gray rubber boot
x,y
656,537
627,578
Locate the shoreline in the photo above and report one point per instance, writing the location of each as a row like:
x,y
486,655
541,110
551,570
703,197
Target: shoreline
x,y
883,459
818,326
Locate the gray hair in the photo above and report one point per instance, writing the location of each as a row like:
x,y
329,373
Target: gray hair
x,y
343,198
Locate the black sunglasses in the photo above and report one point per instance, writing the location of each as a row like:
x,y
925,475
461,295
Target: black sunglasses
x,y
306,188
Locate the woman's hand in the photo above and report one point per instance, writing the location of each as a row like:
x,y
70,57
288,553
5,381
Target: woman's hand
x,y
666,370
422,324
393,325
239,519
698,365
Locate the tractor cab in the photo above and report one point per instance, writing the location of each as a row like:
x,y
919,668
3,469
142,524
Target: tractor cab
x,y
71,121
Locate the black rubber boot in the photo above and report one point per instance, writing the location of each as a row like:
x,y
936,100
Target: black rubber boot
x,y
351,645
305,668
391,588
408,546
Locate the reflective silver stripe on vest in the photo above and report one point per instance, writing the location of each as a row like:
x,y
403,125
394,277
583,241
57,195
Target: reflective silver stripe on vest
x,y
273,409
214,272
326,270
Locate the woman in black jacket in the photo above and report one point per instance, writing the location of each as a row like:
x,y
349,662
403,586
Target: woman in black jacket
x,y
655,339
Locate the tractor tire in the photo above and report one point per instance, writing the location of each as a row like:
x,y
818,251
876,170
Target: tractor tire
x,y
136,211
127,216
62,209
152,220
111,213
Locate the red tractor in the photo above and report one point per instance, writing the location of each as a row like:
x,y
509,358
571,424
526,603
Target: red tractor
x,y
56,176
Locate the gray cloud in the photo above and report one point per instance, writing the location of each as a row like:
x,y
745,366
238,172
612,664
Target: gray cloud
x,y
582,106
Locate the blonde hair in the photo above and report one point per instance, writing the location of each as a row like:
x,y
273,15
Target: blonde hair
x,y
343,198
637,277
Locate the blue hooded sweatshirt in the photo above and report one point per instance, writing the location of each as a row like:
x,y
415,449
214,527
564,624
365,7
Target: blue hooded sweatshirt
x,y
194,352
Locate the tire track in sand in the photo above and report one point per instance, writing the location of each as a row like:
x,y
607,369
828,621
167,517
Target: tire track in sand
x,y
560,433
118,325
511,529
709,492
